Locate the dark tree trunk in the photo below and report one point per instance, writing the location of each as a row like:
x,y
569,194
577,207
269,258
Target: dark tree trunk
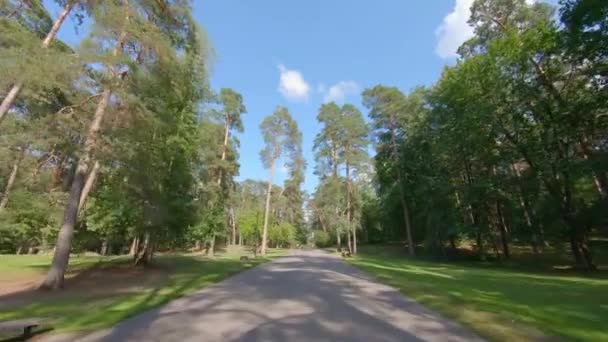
x,y
339,241
502,228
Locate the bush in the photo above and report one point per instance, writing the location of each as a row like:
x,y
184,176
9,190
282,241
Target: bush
x,y
321,238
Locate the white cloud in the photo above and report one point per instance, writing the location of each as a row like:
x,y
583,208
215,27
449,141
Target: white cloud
x,y
292,85
340,90
454,30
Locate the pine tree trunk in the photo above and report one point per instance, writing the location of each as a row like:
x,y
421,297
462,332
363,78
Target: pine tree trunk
x,y
406,210
9,99
144,256
134,247
502,228
351,243
11,179
211,251
354,240
14,92
55,276
224,147
339,240
348,242
88,185
104,247
599,176
233,223
267,210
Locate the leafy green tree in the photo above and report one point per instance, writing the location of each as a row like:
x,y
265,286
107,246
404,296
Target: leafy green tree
x,y
386,107
281,138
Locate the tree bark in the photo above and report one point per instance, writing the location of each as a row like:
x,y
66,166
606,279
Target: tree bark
x,y
134,246
348,241
502,228
88,185
104,247
224,147
339,240
406,210
353,244
312,203
14,91
11,179
211,251
55,276
267,210
233,223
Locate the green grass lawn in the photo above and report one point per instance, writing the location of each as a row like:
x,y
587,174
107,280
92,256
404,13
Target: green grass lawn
x,y
500,303
104,291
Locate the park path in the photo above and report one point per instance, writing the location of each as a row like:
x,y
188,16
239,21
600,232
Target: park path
x,y
307,296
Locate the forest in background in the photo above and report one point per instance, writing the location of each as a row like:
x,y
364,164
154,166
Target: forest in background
x,y
507,147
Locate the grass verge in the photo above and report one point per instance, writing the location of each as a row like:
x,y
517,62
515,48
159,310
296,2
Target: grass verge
x,y
104,291
500,304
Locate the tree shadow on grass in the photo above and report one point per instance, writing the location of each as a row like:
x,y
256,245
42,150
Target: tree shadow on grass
x,y
103,300
296,299
568,306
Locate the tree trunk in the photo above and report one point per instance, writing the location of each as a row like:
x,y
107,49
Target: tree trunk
x,y
224,148
14,92
354,240
502,229
11,179
339,240
134,246
348,242
352,246
599,176
323,226
211,251
233,222
267,210
55,276
140,254
104,247
88,185
406,211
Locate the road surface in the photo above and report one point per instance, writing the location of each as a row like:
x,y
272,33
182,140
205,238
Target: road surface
x,y
308,296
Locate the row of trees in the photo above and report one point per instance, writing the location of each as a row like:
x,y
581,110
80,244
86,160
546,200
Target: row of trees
x,y
119,141
508,146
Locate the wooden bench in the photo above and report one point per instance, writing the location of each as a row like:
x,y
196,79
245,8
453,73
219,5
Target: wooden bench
x,y
25,325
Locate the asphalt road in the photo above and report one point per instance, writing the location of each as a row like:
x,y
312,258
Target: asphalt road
x,y
308,296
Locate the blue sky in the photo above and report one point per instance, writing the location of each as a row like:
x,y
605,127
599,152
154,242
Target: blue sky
x,y
299,54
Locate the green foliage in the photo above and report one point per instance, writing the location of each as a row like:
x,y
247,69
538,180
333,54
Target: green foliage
x,y
500,303
322,239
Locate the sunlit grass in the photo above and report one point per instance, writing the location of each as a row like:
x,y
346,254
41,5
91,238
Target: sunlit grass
x,y
500,303
185,274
